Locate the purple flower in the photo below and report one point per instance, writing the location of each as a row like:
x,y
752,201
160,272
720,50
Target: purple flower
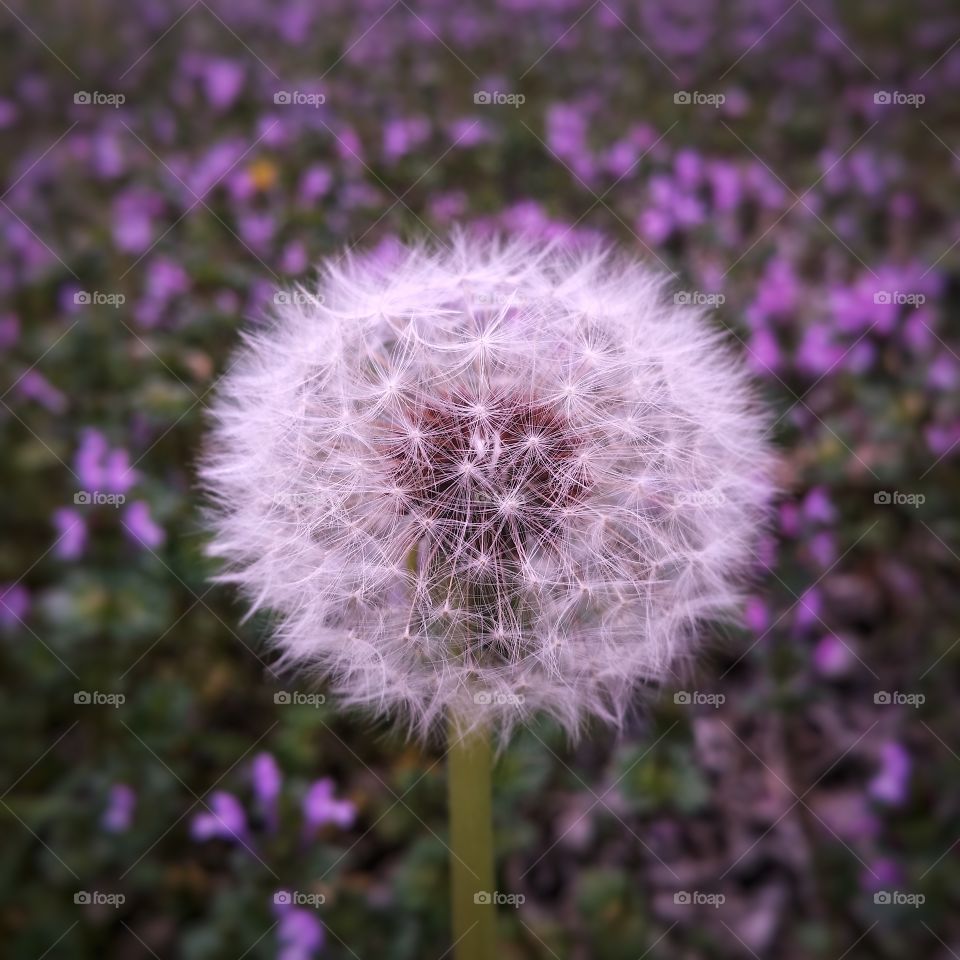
x,y
107,159
9,330
267,781
133,214
688,168
566,135
823,548
778,291
34,386
807,610
100,467
222,82
295,258
756,616
14,604
944,372
294,22
71,533
319,807
400,136
88,461
881,874
655,224
725,185
468,132
166,279
348,146
224,819
120,806
891,784
789,519
818,352
141,527
257,230
818,508
832,657
764,352
315,183
942,438
300,933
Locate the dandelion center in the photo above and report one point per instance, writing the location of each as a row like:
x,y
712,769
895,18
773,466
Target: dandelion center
x,y
485,480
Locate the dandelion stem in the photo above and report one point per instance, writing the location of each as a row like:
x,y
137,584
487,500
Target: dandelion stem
x,y
469,763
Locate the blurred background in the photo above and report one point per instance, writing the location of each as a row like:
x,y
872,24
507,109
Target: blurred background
x,y
168,165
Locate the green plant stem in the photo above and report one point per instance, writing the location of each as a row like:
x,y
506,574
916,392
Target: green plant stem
x,y
469,763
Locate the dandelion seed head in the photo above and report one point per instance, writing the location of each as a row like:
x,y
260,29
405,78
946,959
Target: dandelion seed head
x,y
492,479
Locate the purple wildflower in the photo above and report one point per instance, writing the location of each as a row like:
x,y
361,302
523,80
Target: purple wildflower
x,y
119,813
891,784
225,819
319,807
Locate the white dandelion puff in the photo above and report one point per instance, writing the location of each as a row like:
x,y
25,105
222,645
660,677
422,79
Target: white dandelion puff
x,y
488,480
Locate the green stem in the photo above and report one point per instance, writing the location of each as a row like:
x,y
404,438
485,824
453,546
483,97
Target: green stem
x,y
469,762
